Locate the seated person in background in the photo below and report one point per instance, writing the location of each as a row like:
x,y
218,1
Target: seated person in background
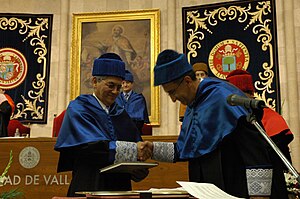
x,y
273,123
96,132
221,146
201,71
6,109
134,103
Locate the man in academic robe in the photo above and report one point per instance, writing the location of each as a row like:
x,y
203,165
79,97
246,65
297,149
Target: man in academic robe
x,y
134,103
221,147
96,132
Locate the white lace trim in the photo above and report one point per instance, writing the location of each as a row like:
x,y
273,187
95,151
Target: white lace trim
x,y
126,152
163,151
259,181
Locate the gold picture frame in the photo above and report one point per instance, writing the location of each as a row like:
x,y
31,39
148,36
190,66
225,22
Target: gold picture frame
x,y
95,33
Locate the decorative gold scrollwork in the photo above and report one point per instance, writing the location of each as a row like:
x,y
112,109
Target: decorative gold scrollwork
x,y
242,15
34,33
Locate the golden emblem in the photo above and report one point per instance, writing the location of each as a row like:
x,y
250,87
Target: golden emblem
x,y
13,68
226,56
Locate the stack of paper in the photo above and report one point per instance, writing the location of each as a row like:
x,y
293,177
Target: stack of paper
x,y
205,190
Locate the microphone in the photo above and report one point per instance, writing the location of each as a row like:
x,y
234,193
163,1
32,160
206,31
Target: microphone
x,y
235,100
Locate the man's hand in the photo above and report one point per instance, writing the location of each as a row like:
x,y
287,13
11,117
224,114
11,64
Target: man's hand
x,y
145,150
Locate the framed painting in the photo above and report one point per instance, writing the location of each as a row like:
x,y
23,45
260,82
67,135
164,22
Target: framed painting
x,y
133,35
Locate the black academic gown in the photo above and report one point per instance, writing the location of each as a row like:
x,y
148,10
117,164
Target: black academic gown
x,y
220,144
86,159
225,166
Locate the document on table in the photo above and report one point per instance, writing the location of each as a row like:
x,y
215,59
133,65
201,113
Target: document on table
x,y
205,190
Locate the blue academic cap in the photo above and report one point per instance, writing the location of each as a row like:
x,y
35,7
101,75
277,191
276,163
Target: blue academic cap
x,y
108,67
128,76
172,70
111,56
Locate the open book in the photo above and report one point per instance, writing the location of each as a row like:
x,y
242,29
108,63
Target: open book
x,y
128,167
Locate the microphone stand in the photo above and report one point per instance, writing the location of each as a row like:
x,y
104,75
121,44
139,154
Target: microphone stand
x,y
252,119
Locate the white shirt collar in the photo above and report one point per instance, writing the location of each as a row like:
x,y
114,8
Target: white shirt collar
x,y
129,93
106,108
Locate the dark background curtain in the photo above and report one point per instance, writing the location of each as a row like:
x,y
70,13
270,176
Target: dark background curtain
x,y
236,35
25,49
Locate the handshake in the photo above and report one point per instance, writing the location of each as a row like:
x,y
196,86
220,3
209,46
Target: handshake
x,y
145,150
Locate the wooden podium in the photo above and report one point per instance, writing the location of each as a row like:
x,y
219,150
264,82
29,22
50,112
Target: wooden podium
x,y
33,169
34,166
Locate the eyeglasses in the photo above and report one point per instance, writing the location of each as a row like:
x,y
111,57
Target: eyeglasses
x,y
173,91
113,86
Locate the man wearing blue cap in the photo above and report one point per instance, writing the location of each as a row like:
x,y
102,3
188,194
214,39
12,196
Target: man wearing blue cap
x,y
134,103
96,132
221,146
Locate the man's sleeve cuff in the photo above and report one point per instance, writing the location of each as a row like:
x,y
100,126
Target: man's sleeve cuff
x,y
163,151
125,152
259,181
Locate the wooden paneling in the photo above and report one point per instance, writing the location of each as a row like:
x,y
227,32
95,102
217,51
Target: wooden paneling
x,y
42,181
37,182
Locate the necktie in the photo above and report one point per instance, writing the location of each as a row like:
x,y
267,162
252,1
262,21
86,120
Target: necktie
x,y
126,96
